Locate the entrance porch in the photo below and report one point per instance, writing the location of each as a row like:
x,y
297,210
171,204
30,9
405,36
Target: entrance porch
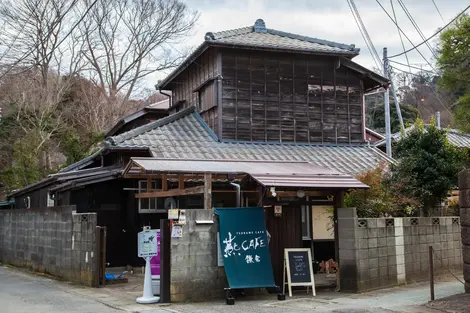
x,y
287,190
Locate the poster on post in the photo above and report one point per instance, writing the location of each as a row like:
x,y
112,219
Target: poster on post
x,y
147,243
298,269
244,247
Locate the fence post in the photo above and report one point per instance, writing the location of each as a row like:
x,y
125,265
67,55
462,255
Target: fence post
x,y
97,258
431,273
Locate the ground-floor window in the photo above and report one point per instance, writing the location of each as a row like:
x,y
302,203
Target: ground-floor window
x,y
148,205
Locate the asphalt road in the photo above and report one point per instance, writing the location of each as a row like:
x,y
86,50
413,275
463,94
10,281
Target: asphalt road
x,y
23,293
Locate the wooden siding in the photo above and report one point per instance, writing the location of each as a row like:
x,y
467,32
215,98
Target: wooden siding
x,y
290,98
196,86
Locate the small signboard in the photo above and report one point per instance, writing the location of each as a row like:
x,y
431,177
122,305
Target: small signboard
x,y
147,243
173,214
177,231
298,269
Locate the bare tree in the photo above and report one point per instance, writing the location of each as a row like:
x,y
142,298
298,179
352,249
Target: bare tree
x,y
91,112
33,31
126,40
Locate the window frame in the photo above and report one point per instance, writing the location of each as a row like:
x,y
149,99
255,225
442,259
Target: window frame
x,y
148,210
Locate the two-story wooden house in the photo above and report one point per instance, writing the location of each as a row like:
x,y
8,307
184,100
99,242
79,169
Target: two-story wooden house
x,y
262,85
254,96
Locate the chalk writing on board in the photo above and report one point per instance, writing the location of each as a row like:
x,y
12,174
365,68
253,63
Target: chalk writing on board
x,y
299,263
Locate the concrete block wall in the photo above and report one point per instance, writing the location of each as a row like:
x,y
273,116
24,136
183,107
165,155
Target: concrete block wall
x,y
385,252
443,234
52,241
195,275
464,201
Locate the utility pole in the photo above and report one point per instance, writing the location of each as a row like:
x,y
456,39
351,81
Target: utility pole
x,y
388,139
397,106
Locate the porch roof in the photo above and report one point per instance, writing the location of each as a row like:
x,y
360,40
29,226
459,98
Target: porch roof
x,y
266,173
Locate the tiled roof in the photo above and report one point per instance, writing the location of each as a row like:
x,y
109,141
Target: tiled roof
x,y
458,139
186,136
262,37
455,137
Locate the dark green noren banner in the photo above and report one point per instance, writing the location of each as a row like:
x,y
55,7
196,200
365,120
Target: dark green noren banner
x,y
244,247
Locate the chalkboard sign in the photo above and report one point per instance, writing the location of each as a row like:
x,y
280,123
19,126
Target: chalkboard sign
x,y
298,269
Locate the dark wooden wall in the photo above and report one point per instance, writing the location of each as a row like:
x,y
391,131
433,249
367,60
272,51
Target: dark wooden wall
x,y
38,199
143,120
286,232
290,98
196,86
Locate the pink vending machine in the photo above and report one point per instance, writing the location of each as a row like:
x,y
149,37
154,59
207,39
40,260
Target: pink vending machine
x,y
155,268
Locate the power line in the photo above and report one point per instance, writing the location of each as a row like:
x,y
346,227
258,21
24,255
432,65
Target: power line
x,y
363,37
438,11
436,33
415,25
411,66
399,34
430,87
404,34
363,30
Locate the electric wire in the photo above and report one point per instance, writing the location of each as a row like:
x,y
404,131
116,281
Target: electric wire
x,y
432,36
411,66
438,11
417,28
365,34
425,59
405,35
430,87
399,34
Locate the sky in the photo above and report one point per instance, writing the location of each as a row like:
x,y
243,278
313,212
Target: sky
x,y
330,20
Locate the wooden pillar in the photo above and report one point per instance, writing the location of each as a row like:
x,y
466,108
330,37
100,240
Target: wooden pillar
x,y
165,261
338,203
164,182
207,191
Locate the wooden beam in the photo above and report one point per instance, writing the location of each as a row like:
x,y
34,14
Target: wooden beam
x,y
171,193
149,183
176,176
181,182
164,182
232,191
311,193
207,191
